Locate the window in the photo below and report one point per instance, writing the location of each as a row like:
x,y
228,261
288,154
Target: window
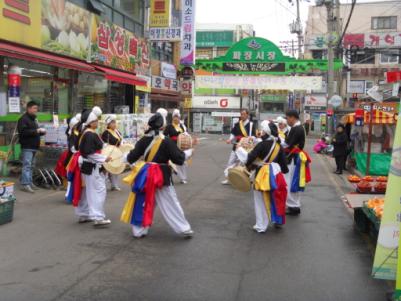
x,y
162,51
118,19
390,56
368,85
384,22
318,54
365,56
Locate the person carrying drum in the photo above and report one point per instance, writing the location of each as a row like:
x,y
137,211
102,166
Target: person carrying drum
x,y
90,205
243,128
155,175
173,130
269,188
298,162
112,136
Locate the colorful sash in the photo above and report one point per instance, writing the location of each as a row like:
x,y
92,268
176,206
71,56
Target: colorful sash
x,y
242,129
115,134
144,179
302,173
74,178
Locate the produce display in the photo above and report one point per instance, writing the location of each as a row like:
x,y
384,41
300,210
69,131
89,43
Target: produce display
x,y
364,187
368,179
354,179
65,28
380,187
376,205
381,179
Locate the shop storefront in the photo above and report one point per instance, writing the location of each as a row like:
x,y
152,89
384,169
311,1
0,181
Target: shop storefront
x,y
165,93
315,105
214,114
272,104
65,66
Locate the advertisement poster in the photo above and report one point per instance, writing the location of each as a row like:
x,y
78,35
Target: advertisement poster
x,y
160,13
116,47
65,29
385,262
20,22
188,35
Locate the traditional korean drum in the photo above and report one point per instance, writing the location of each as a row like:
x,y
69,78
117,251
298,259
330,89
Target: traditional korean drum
x,y
126,147
184,141
116,166
247,143
239,178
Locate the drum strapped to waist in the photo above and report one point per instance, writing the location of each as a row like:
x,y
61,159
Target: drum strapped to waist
x,y
184,141
247,143
116,165
126,147
239,178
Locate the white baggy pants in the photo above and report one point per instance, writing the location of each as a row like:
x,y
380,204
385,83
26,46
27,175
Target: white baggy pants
x,y
293,198
114,180
232,162
262,220
167,201
182,171
93,196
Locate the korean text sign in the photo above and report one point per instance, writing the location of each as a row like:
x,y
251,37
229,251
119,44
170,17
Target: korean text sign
x,y
188,33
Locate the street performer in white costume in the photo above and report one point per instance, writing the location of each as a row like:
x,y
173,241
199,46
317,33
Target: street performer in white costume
x,y
270,188
90,206
154,173
173,130
298,163
243,128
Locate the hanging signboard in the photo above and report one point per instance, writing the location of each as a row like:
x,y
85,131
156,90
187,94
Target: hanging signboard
x,y
373,40
170,34
216,102
187,87
315,102
356,86
214,38
385,262
259,82
168,70
116,47
254,67
160,13
387,107
188,35
159,82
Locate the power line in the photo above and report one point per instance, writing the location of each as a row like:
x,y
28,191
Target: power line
x,y
346,25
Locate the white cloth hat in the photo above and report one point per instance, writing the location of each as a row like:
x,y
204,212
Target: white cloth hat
x,y
264,126
110,119
176,113
164,113
94,115
281,120
73,122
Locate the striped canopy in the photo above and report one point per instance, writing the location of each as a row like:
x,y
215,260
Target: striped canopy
x,y
379,117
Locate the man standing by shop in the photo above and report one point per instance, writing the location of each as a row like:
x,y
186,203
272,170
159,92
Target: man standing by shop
x,y
294,143
243,128
29,138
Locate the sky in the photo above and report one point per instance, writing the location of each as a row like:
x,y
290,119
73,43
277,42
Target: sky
x,y
270,18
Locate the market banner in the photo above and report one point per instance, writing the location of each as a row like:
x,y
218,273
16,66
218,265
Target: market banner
x,y
160,13
170,34
20,22
116,47
259,82
65,29
386,257
188,38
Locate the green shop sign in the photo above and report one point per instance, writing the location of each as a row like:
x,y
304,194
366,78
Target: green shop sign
x,y
260,56
214,38
273,98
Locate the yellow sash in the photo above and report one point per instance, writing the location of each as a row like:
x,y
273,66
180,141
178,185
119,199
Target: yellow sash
x,y
242,129
82,136
115,135
177,128
154,150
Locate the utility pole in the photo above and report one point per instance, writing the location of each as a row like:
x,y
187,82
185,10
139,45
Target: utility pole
x,y
296,27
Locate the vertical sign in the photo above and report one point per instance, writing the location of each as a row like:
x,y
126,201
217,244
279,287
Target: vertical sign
x,y
385,263
160,13
188,33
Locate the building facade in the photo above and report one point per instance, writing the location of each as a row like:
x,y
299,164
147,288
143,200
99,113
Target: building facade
x,y
371,46
215,110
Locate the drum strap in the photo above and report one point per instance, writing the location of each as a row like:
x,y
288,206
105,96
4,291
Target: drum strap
x,y
115,134
152,149
273,152
83,134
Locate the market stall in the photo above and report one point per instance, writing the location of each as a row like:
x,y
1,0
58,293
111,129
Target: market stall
x,y
372,140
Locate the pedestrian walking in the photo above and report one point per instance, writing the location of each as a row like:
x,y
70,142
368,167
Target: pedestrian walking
x,y
156,175
173,130
298,160
340,143
29,138
243,128
112,136
270,188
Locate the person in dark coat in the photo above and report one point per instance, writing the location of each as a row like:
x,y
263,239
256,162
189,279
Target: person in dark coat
x,y
340,142
29,138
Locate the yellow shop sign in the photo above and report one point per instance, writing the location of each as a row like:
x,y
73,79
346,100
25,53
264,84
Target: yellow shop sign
x,y
20,22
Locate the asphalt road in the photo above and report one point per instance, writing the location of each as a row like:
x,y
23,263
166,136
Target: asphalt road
x,y
46,255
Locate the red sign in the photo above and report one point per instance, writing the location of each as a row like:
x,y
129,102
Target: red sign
x,y
354,40
224,102
17,11
330,112
359,113
393,76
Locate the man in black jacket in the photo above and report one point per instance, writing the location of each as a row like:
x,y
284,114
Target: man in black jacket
x,y
29,138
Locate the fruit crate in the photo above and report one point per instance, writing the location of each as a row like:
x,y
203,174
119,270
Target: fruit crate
x,y
7,211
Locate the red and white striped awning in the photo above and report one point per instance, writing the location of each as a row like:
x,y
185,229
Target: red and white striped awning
x,y
379,117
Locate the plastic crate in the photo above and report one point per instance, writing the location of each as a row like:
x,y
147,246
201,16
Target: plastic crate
x,y
7,211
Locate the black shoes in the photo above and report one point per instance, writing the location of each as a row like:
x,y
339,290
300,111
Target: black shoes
x,y
294,211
